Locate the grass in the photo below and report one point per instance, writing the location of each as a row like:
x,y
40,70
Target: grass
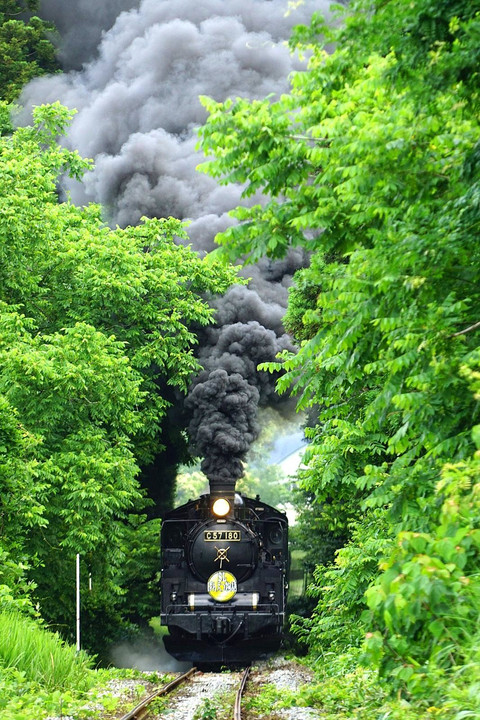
x,y
41,656
41,676
216,708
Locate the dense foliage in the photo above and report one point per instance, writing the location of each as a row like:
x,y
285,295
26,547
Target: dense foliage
x,y
93,323
372,163
26,50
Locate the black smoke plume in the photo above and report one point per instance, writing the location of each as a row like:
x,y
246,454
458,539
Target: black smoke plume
x,y
224,423
136,97
225,396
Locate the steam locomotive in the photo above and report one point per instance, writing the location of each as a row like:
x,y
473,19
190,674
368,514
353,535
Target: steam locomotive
x,y
224,578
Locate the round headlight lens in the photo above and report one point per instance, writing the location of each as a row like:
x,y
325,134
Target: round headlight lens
x,y
221,507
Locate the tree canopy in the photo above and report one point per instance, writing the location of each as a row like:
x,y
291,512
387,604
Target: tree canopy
x,y
26,49
372,164
93,323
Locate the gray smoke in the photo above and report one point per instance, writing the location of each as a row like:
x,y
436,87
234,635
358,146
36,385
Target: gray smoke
x,y
138,100
81,25
147,655
137,110
224,423
225,396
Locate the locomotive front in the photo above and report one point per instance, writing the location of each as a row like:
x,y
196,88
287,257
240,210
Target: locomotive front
x,y
224,579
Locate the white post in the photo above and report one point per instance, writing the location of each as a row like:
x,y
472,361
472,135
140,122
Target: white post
x,y
78,603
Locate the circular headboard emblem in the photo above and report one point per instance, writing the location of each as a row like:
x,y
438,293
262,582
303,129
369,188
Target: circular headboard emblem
x,y
222,585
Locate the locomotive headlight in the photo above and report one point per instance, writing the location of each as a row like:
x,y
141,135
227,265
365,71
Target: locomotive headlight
x,y
221,507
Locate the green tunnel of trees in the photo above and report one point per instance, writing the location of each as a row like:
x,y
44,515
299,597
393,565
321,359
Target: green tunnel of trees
x,y
372,164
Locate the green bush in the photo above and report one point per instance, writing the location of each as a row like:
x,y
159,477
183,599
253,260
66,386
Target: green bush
x,y
339,588
425,605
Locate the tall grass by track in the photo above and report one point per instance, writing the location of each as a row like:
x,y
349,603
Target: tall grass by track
x,y
41,655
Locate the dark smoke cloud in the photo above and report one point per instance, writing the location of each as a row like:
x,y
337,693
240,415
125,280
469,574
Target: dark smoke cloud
x,y
81,24
225,397
239,348
138,103
224,422
138,107
224,414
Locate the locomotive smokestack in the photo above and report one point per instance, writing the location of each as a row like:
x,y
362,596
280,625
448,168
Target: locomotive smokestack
x,y
224,488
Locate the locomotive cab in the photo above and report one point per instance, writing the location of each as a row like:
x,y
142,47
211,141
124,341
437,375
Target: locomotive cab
x,y
223,586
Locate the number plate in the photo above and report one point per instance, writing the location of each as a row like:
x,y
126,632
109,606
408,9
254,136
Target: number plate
x,y
227,535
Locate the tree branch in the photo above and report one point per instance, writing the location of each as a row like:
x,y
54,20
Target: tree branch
x,y
463,332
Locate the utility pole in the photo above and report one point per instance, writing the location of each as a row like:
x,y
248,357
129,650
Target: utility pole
x,y
78,602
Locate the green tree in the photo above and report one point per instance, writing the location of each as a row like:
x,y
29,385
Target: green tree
x,y
372,164
26,50
93,323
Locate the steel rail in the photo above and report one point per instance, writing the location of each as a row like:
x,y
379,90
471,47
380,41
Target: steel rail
x,y
237,712
141,710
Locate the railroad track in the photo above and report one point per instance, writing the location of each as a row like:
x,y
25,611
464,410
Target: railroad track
x,y
142,710
237,712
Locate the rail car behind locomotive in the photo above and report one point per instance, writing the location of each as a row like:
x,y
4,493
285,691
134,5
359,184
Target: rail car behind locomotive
x,y
224,579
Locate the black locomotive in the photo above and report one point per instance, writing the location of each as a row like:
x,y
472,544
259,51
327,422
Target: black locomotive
x,y
224,578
